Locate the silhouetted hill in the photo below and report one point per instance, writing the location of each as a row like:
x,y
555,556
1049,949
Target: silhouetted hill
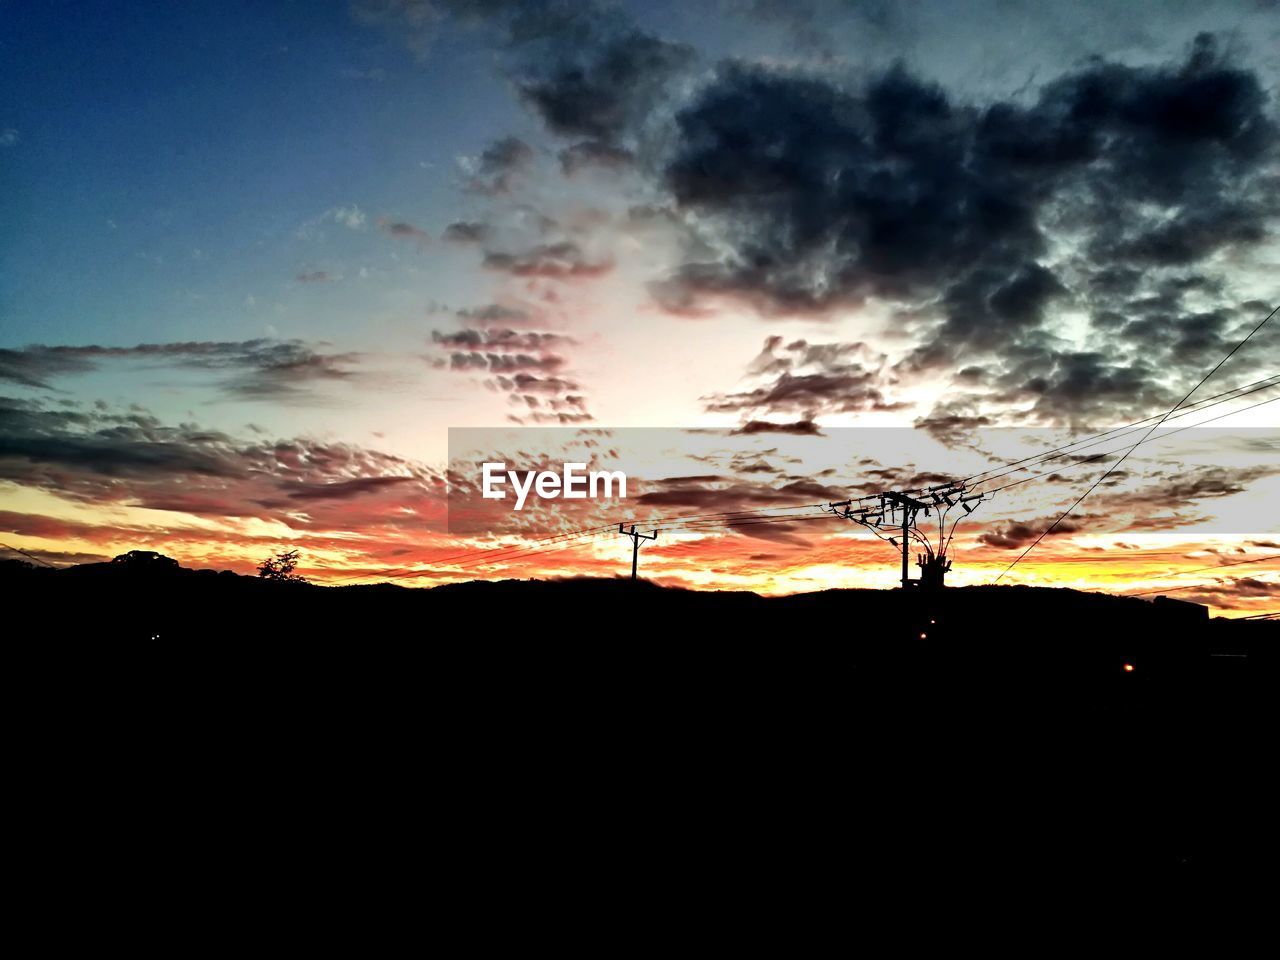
x,y
858,729
154,597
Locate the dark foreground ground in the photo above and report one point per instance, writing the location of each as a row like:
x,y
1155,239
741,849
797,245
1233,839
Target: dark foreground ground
x,y
625,740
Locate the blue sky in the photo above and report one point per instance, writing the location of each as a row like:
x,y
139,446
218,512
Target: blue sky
x,y
170,153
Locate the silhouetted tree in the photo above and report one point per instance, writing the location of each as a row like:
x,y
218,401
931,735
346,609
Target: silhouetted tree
x,y
281,567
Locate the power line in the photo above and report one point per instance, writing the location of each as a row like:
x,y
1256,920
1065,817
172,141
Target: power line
x,y
760,520
504,554
1150,430
1107,453
667,521
705,523
518,551
1218,566
473,553
1162,590
695,525
1085,443
1242,390
411,574
520,554
934,564
474,558
29,556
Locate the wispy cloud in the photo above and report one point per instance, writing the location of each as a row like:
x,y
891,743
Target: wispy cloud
x,y
261,369
403,230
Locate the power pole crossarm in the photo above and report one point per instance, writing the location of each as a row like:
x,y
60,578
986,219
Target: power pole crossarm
x,y
910,508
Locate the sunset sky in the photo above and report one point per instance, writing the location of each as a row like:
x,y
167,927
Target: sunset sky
x,y
258,258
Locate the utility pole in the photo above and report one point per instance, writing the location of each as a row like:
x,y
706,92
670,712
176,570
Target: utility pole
x,y
906,531
911,508
635,544
878,512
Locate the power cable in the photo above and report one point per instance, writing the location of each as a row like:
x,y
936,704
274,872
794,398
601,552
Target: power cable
x,y
1150,430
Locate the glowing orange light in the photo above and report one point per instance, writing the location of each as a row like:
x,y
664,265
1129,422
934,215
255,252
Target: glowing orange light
x,y
1128,668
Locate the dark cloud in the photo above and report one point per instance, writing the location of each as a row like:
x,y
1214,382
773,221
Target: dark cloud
x,y
989,308
981,218
602,88
594,154
1111,193
466,232
344,489
1191,338
526,383
809,379
550,405
710,493
1227,592
250,369
499,165
713,494
38,366
1185,489
1081,385
798,428
519,357
809,394
1014,535
493,313
755,466
1141,361
562,418
824,196
104,456
37,443
500,339
1186,241
505,362
951,422
906,478
1010,37
684,481
808,196
582,67
403,230
562,260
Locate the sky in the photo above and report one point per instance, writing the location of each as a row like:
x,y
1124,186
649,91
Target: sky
x,y
257,260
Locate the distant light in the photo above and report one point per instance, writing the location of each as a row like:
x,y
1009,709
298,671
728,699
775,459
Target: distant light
x,y
933,621
1128,668
923,635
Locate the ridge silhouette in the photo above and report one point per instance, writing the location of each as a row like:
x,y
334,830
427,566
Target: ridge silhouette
x,y
1018,729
